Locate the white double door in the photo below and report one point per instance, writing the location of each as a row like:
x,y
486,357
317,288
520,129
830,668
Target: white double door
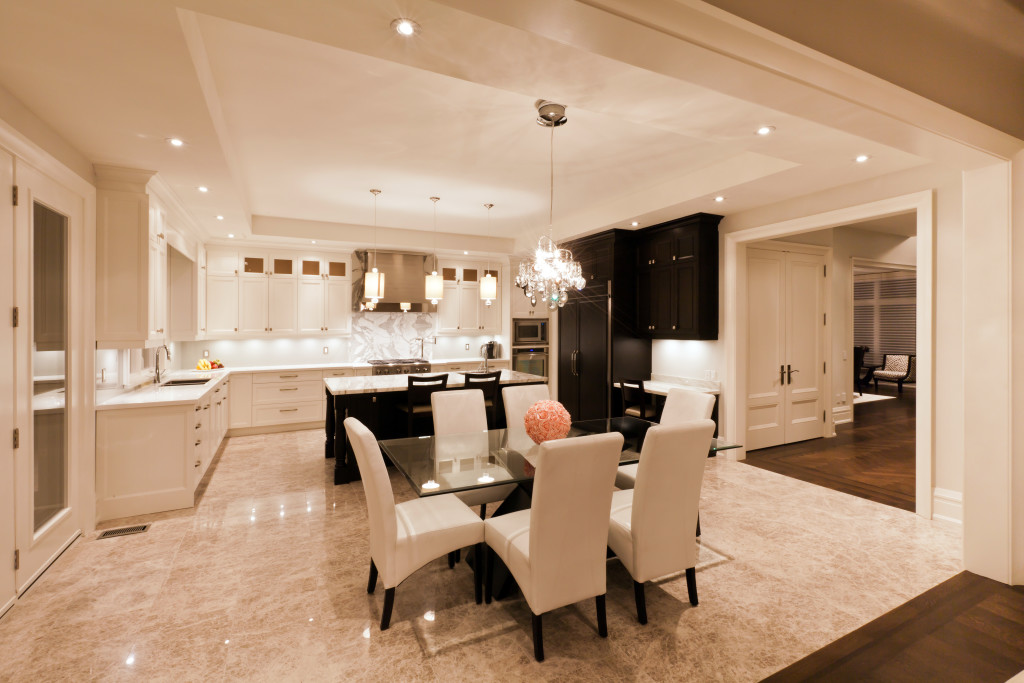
x,y
39,468
786,347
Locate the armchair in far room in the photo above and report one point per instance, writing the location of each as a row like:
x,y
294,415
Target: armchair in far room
x,y
898,368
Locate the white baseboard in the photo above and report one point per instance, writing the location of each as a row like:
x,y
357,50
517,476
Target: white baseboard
x,y
947,505
842,415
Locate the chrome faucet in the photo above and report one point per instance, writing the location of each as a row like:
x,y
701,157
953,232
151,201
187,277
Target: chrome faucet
x,y
168,352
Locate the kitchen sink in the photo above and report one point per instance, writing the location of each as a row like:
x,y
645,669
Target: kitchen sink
x,y
183,382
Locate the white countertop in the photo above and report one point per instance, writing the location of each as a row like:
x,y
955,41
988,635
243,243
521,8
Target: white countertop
x,y
336,366
153,396
660,388
382,383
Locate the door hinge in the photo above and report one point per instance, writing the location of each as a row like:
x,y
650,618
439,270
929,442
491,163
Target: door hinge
x,y
17,560
17,438
15,317
823,416
823,366
14,195
824,318
824,271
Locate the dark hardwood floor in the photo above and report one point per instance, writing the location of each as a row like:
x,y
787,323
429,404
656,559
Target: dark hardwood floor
x,y
872,457
968,628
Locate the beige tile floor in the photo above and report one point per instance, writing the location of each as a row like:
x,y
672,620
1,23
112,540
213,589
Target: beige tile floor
x,y
266,580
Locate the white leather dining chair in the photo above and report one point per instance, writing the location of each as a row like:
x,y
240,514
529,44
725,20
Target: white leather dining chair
x,y
682,405
518,400
460,412
556,550
651,529
406,536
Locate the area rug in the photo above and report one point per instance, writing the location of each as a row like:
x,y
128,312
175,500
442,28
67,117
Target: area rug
x,y
871,398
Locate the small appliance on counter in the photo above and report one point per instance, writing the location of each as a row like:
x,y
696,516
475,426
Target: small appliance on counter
x,y
489,351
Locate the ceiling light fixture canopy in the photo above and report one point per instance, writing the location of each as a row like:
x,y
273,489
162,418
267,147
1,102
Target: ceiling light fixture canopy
x,y
434,289
374,280
552,271
488,283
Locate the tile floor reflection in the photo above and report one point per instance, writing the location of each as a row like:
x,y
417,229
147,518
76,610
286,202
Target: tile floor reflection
x,y
266,580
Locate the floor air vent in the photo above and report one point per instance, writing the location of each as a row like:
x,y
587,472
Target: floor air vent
x,y
125,531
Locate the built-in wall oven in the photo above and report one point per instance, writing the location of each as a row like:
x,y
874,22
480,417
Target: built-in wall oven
x,y
530,359
529,332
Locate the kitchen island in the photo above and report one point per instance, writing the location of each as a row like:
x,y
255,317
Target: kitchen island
x,y
373,400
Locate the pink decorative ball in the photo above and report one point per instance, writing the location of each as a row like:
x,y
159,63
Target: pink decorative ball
x,y
547,420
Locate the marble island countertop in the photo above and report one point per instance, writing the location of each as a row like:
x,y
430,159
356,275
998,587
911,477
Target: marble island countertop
x,y
382,383
355,364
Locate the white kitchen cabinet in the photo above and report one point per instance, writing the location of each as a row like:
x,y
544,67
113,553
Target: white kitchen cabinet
x,y
287,397
282,298
520,304
220,261
151,459
221,306
311,305
461,311
131,252
252,305
201,294
338,305
240,391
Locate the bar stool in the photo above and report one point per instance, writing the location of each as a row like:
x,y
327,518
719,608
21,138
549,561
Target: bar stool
x,y
488,383
634,400
417,403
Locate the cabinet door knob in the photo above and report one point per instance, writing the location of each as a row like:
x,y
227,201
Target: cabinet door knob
x,y
673,327
236,329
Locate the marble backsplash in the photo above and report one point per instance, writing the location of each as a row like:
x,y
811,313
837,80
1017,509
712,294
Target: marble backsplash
x,y
390,335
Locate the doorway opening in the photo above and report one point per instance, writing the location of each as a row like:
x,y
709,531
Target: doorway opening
x,y
893,234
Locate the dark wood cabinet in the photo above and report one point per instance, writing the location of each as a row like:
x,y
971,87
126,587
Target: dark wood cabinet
x,y
677,279
597,339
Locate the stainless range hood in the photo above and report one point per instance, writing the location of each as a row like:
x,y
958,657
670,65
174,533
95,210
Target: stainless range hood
x,y
404,281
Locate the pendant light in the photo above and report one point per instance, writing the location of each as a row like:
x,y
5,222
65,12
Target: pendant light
x,y
552,271
488,283
435,283
374,279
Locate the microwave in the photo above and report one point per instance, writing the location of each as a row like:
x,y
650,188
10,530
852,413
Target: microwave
x,y
528,331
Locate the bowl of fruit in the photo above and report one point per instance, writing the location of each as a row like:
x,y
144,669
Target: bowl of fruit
x,y
204,364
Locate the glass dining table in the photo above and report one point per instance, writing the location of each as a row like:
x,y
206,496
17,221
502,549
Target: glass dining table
x,y
435,465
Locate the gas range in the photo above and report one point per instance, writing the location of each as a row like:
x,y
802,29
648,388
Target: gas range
x,y
399,366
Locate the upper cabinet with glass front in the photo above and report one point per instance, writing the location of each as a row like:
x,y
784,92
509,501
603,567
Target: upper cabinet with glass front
x,y
462,311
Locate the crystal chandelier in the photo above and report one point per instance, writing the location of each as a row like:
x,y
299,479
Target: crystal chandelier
x,y
374,279
552,272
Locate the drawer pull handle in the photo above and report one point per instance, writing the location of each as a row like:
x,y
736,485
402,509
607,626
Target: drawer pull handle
x,y
198,425
198,463
287,376
289,389
288,410
198,408
198,441
206,407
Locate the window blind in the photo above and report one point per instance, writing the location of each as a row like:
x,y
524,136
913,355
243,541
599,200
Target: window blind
x,y
885,313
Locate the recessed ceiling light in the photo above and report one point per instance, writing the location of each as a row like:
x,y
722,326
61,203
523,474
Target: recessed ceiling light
x,y
176,142
466,253
313,241
220,218
634,224
405,27
766,130
719,198
203,188
231,236
862,158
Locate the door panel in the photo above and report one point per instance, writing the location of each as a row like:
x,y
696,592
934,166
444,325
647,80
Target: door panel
x,y
568,338
281,307
8,391
766,272
311,305
805,308
592,360
252,304
46,466
339,306
221,305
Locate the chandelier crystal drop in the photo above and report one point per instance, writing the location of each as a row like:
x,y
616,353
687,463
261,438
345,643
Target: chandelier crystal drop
x,y
552,272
